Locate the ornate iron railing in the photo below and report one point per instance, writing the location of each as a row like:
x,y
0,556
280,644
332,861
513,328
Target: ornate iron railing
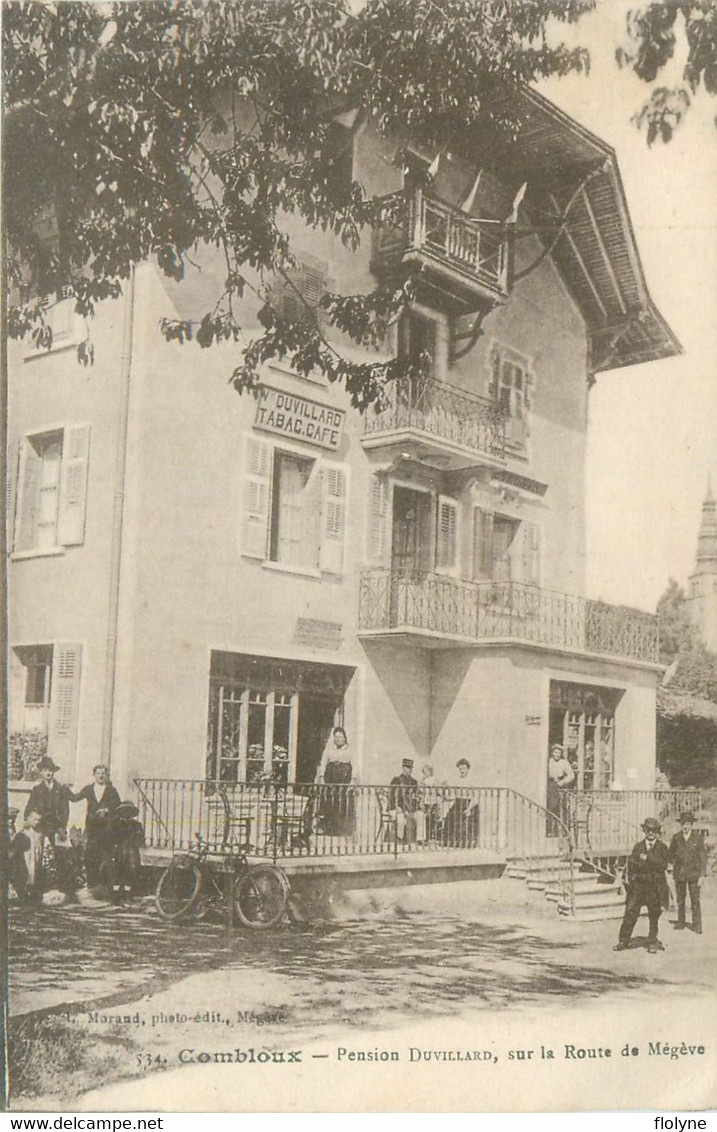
x,y
440,410
327,820
601,820
435,604
421,222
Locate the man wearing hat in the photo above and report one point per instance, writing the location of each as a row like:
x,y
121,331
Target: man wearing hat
x,y
688,857
50,800
646,885
46,814
405,801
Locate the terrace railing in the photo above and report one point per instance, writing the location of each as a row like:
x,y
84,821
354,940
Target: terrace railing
x,y
326,820
422,223
443,411
441,606
601,820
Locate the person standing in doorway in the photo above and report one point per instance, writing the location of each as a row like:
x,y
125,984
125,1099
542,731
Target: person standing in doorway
x,y
560,776
688,858
101,798
646,885
337,800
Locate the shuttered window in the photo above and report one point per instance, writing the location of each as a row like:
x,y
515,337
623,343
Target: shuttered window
x,y
333,518
51,496
378,521
44,691
295,297
482,545
447,536
294,508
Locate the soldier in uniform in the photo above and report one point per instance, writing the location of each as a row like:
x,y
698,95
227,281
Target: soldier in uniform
x,y
645,884
688,857
405,801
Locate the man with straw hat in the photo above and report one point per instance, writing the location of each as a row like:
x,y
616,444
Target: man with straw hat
x,y
645,885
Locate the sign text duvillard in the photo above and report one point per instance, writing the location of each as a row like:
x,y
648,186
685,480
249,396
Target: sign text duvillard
x,y
299,417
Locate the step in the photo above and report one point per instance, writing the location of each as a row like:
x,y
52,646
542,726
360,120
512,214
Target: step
x,y
587,884
590,915
598,900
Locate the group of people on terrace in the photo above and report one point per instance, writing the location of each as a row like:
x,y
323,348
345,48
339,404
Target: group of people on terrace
x,y
411,811
46,857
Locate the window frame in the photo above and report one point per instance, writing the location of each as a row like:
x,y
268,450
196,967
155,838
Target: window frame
x,y
258,475
71,490
518,410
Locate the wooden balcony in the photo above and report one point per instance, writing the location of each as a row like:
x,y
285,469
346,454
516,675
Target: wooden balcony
x,y
462,262
434,611
438,423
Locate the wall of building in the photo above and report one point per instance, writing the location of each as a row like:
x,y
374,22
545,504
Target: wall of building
x,y
64,596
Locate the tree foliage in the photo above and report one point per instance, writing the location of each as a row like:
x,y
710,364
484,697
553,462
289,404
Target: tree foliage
x,y
654,34
676,630
695,667
138,131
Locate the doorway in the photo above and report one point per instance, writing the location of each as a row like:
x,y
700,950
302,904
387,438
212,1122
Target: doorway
x,y
317,718
411,532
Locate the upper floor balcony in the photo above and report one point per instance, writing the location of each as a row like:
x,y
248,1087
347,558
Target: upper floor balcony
x,y
463,261
439,423
436,611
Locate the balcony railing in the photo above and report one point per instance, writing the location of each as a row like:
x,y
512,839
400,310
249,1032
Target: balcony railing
x,y
437,409
424,225
447,607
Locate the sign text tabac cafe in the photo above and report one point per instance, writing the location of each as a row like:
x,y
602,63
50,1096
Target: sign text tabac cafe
x,y
290,415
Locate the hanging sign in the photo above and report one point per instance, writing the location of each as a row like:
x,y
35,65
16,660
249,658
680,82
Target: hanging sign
x,y
299,418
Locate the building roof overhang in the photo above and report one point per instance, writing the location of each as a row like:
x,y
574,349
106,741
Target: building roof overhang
x,y
576,203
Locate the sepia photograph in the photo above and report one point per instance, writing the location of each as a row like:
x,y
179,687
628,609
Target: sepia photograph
x,y
360,374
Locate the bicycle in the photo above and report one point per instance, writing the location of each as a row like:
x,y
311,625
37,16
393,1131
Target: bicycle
x,y
188,889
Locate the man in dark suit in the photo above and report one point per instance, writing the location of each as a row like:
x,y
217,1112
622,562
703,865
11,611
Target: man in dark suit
x,y
101,798
405,801
50,801
646,884
46,815
688,857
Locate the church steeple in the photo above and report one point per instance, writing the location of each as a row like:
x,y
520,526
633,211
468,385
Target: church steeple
x,y
702,591
707,538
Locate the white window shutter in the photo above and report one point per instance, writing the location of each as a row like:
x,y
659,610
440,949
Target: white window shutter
x,y
378,524
73,486
482,544
447,536
530,553
27,496
16,682
258,456
333,518
64,704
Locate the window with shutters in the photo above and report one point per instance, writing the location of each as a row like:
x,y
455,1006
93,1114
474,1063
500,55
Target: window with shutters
x,y
505,549
447,536
511,386
51,490
297,296
43,687
294,509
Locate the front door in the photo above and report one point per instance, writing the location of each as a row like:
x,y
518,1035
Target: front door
x,y
410,541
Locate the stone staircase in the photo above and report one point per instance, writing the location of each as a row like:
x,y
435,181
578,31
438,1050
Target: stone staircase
x,y
597,896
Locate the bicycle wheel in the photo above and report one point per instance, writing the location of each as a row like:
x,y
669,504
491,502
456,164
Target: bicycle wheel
x,y
178,888
260,896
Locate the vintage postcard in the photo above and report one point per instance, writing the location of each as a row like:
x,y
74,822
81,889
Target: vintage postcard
x,y
361,555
